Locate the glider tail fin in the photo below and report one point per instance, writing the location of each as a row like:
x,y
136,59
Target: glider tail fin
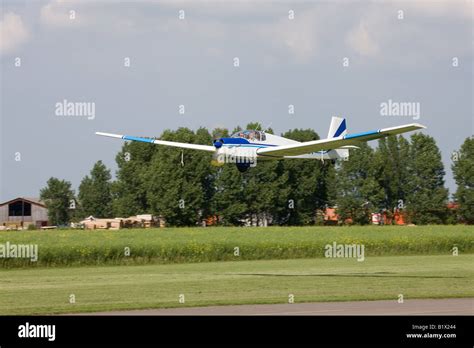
x,y
338,128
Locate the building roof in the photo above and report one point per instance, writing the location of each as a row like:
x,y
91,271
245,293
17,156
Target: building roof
x,y
330,214
32,200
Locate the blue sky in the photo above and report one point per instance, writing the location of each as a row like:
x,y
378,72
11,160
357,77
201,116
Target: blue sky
x,y
400,56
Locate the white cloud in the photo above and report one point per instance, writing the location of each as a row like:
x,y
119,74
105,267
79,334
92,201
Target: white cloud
x,y
59,13
360,40
380,34
446,8
318,30
224,8
299,37
13,33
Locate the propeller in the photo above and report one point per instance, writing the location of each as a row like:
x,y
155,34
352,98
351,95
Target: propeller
x,y
218,143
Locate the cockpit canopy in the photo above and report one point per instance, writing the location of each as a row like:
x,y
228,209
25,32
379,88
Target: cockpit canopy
x,y
251,135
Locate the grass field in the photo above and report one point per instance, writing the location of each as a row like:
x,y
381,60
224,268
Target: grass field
x,y
47,290
272,263
183,245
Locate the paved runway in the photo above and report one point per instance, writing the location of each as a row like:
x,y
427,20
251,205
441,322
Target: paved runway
x,y
463,306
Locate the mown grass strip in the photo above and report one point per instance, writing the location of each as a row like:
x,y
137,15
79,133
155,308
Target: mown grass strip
x,y
48,290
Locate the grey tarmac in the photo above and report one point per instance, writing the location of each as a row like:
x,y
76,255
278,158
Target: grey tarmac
x,y
454,306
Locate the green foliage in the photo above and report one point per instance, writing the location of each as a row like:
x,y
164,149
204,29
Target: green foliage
x,y
426,195
171,245
95,196
463,169
228,199
307,183
264,191
183,187
220,133
254,125
391,170
57,196
358,190
129,190
179,182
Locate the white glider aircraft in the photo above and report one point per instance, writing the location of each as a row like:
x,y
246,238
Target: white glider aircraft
x,y
244,147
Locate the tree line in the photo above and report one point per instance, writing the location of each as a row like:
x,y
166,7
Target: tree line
x,y
183,187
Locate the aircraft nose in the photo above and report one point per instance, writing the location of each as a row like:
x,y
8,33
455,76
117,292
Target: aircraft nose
x,y
218,143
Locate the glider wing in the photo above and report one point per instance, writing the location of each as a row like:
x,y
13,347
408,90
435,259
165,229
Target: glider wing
x,y
335,143
160,142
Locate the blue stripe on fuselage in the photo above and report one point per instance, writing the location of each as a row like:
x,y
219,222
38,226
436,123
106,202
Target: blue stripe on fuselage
x,y
234,141
242,141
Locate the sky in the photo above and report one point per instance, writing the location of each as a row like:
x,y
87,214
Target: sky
x,y
137,62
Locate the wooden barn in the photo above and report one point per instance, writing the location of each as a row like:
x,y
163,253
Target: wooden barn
x,y
21,212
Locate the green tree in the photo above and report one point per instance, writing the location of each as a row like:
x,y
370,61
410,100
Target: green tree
x,y
129,190
59,199
236,129
228,200
178,183
391,158
307,180
261,188
220,133
426,194
358,190
264,191
205,173
463,170
95,196
255,195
